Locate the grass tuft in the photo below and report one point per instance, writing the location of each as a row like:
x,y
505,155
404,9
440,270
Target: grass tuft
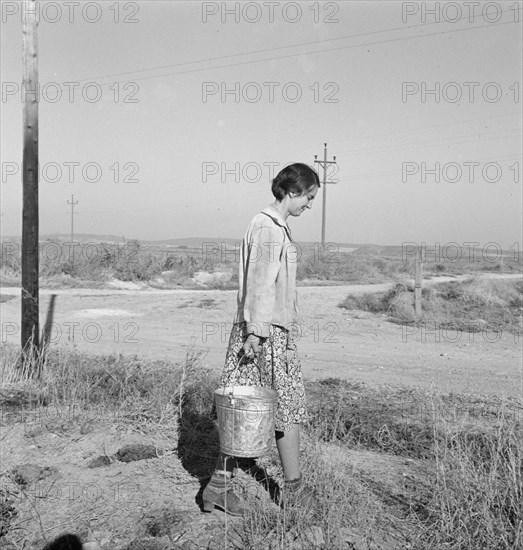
x,y
392,467
472,305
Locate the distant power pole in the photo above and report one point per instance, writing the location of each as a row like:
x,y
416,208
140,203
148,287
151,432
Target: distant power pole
x,y
418,282
72,202
30,264
324,163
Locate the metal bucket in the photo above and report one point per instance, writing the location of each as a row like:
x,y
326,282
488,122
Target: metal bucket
x,y
246,420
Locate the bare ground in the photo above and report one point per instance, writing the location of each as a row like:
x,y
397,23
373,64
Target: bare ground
x,y
334,342
153,501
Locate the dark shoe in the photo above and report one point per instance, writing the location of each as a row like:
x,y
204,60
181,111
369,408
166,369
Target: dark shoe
x,y
297,493
219,493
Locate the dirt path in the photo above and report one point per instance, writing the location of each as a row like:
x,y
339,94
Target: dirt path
x,y
152,502
334,343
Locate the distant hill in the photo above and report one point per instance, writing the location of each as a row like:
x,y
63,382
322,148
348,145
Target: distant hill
x,y
194,243
189,242
80,237
383,250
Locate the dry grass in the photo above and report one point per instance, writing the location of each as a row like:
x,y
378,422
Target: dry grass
x,y
124,389
438,471
478,488
168,267
472,305
471,495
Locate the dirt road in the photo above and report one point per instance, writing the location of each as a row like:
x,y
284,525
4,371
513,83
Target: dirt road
x,y
334,342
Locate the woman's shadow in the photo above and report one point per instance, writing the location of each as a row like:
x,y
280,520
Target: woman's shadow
x,y
65,542
199,444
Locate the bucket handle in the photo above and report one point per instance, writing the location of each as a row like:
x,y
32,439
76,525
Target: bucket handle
x,y
242,356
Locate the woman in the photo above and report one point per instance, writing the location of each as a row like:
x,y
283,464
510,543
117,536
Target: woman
x,y
262,335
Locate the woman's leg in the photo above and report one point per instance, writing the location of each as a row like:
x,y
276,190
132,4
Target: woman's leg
x,y
296,490
288,444
218,492
226,463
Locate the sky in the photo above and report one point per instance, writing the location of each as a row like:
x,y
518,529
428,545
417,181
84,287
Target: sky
x,y
168,119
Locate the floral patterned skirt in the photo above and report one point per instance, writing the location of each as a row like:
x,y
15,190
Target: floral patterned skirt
x,y
278,367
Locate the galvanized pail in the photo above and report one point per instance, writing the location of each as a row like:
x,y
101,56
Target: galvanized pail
x,y
246,420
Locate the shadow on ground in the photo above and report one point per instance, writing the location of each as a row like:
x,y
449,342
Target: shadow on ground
x,y
199,444
198,440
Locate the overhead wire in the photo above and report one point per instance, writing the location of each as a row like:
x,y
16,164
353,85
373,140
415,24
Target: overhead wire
x,y
444,125
264,190
428,144
276,48
228,65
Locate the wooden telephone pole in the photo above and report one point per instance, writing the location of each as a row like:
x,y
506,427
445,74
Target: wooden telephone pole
x,y
30,176
324,163
73,203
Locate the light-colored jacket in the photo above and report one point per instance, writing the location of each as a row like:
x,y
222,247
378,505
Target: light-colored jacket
x,y
267,274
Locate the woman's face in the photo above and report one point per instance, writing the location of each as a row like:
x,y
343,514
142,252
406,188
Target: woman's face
x,y
299,203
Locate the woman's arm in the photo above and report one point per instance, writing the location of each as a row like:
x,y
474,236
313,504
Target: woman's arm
x,y
261,270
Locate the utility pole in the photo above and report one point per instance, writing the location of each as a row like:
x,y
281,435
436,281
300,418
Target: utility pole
x,y
418,282
30,263
324,163
72,202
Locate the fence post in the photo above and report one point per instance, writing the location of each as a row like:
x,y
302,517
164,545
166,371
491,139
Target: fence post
x,y
417,283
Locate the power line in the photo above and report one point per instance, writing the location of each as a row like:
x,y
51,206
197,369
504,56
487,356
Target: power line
x,y
296,54
428,144
186,205
263,191
445,125
277,48
354,151
395,172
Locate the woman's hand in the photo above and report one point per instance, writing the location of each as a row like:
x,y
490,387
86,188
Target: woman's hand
x,y
252,346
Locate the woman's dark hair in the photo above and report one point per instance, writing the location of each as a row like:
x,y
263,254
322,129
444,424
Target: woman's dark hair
x,y
295,178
